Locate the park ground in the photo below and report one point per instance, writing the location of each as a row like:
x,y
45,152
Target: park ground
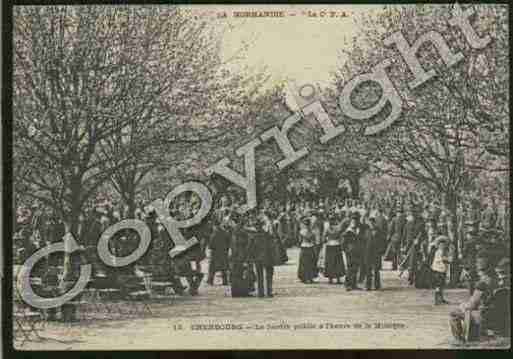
x,y
299,316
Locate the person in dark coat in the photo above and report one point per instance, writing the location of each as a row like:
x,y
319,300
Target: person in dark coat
x,y
264,259
381,226
276,231
374,247
307,268
344,219
498,316
352,241
286,228
202,233
317,222
219,245
239,260
416,235
396,238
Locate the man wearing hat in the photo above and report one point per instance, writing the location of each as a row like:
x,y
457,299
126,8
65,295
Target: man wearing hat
x,y
464,319
494,244
261,253
498,317
373,250
219,245
352,242
415,233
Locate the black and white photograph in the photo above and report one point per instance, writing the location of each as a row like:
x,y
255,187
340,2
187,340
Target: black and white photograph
x,y
256,177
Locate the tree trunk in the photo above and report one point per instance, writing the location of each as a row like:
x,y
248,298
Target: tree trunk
x,y
451,201
354,182
328,184
71,227
67,257
130,202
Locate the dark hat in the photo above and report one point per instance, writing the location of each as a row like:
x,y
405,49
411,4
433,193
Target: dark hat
x,y
442,239
503,266
260,222
483,260
152,214
482,263
355,215
235,216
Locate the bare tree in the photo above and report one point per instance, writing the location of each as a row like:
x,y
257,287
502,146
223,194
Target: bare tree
x,y
444,136
81,76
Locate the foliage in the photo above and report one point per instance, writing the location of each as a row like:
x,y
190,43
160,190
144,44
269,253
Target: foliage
x,y
442,137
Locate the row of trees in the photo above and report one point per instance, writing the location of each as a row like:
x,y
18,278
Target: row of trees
x,y
453,129
116,97
130,97
453,133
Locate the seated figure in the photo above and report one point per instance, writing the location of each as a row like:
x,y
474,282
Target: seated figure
x,y
466,319
488,310
498,314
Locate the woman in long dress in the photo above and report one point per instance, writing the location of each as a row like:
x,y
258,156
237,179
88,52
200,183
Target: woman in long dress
x,y
307,268
240,247
334,266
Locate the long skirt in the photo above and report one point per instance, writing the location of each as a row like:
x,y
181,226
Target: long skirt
x,y
307,268
281,253
219,260
238,283
335,266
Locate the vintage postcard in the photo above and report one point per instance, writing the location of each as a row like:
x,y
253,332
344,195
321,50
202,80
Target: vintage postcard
x,y
245,177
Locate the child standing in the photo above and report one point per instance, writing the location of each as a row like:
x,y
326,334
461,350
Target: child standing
x,y
439,267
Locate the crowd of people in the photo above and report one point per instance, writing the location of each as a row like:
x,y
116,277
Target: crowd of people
x,y
343,240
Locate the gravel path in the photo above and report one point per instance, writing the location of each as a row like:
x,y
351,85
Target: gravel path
x,y
316,316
